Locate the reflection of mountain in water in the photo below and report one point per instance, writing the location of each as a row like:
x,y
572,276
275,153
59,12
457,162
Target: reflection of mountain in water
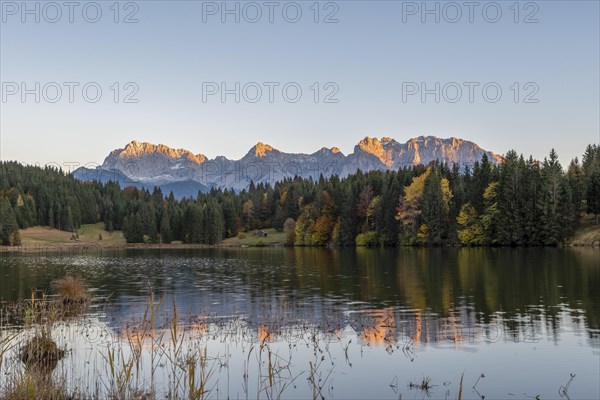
x,y
394,329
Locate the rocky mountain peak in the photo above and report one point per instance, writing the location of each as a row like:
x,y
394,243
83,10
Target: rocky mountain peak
x,y
377,148
371,146
150,165
262,149
333,150
136,149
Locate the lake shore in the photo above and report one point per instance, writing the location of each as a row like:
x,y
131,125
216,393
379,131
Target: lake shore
x,y
93,238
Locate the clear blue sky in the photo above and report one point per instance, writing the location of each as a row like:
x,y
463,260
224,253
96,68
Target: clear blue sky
x,y
368,54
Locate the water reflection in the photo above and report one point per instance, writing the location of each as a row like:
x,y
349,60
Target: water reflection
x,y
426,308
431,293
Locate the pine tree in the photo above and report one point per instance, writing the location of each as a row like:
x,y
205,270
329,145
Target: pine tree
x,y
192,226
51,218
510,223
229,217
108,219
8,224
348,226
126,227
593,194
552,223
165,228
576,181
291,203
137,229
591,168
434,216
482,175
133,229
213,222
388,223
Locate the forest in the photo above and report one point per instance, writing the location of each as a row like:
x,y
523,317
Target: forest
x,y
520,202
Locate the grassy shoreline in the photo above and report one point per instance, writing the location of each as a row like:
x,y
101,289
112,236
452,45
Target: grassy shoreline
x,y
587,234
93,238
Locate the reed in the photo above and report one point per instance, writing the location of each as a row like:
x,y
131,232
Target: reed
x,y
160,354
72,290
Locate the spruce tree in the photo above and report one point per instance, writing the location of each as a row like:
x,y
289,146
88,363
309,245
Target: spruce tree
x,y
8,223
165,228
434,217
593,194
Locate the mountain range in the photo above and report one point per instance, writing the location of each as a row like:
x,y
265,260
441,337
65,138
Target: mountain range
x,y
184,173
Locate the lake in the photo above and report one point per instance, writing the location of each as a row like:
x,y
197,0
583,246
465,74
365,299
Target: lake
x,y
323,323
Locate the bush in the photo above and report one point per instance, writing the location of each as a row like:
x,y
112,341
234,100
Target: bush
x,y
368,239
241,235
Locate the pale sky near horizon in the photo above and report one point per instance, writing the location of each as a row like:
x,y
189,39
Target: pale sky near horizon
x,y
372,60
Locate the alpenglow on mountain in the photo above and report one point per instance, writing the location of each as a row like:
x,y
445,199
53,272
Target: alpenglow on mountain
x,y
185,173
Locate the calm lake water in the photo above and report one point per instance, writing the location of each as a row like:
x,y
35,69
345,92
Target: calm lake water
x,y
363,323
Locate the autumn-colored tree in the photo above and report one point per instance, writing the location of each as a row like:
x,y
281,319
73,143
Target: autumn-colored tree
x,y
289,227
248,213
472,233
322,231
362,205
303,229
415,202
409,207
489,219
372,212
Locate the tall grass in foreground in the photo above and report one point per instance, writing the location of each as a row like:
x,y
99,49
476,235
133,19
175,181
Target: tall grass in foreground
x,y
36,353
163,356
31,353
72,290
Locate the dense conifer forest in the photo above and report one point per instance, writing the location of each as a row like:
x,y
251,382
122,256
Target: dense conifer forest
x,y
521,202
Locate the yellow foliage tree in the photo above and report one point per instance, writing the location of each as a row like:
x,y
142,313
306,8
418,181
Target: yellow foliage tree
x,y
409,209
472,233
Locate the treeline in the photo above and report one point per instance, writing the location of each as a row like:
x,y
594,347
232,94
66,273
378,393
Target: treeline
x,y
520,202
32,196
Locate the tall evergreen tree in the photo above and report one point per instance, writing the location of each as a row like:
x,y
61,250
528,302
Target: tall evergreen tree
x,y
165,228
434,215
9,230
593,194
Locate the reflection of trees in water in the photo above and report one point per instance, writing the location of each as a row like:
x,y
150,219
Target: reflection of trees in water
x,y
540,288
395,327
382,330
390,327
